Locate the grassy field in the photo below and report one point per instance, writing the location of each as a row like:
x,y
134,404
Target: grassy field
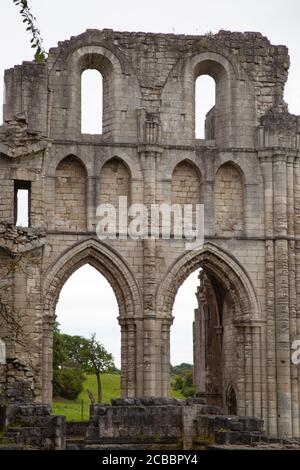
x,y
73,409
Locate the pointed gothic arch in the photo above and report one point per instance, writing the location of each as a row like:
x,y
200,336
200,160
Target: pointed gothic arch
x,y
115,269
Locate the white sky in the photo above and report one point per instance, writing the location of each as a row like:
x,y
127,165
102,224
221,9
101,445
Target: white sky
x,y
86,303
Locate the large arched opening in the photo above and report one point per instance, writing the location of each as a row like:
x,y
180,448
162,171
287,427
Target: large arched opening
x,y
87,308
227,329
118,275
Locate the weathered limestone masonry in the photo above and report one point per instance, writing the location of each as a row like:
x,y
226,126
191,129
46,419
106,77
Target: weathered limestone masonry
x,y
246,172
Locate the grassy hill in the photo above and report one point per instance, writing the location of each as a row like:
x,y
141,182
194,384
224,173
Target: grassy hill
x,y
111,384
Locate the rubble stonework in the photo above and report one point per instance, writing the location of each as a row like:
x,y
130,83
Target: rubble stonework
x,y
246,172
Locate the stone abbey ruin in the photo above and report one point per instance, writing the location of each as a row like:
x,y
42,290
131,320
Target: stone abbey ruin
x,y
246,172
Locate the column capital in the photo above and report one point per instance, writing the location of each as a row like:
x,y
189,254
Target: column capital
x,y
129,323
167,322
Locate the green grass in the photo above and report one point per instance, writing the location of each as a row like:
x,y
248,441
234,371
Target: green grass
x,y
71,409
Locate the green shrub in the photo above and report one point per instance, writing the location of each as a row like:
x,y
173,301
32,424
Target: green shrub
x,y
177,382
188,391
68,383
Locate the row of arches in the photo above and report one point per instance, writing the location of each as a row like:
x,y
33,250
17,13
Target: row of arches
x,y
92,108
115,181
214,262
87,290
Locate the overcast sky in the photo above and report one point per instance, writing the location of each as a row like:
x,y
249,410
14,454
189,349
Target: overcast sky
x,y
87,303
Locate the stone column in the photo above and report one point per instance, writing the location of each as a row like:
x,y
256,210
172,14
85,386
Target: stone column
x,y
149,151
165,356
139,357
292,288
91,203
47,355
257,370
49,201
124,358
248,357
282,328
270,351
297,258
250,399
151,358
131,358
128,357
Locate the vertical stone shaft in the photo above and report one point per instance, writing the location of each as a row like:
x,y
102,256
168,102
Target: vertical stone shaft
x,y
131,357
165,359
266,164
297,255
152,340
257,376
91,203
292,289
124,357
282,297
248,371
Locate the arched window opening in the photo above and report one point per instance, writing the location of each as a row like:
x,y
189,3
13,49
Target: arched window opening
x,y
22,204
87,305
91,102
205,99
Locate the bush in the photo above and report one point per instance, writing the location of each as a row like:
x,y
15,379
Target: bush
x,y
177,382
68,383
188,392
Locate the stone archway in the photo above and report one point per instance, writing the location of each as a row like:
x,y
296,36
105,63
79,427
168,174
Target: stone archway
x,y
243,328
118,274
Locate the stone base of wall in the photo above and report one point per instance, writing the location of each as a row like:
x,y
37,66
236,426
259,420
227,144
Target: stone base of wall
x,y
163,423
32,426
134,423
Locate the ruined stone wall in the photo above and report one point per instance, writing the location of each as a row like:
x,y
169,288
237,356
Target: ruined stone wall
x,y
246,173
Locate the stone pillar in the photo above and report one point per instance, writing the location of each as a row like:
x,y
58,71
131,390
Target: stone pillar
x,y
151,360
257,371
292,288
150,357
250,393
199,338
124,358
270,351
47,354
165,356
297,256
283,354
128,357
248,357
49,202
199,350
139,357
91,203
149,151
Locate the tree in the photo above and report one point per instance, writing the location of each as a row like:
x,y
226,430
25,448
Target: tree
x,y
182,379
94,358
78,353
30,20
